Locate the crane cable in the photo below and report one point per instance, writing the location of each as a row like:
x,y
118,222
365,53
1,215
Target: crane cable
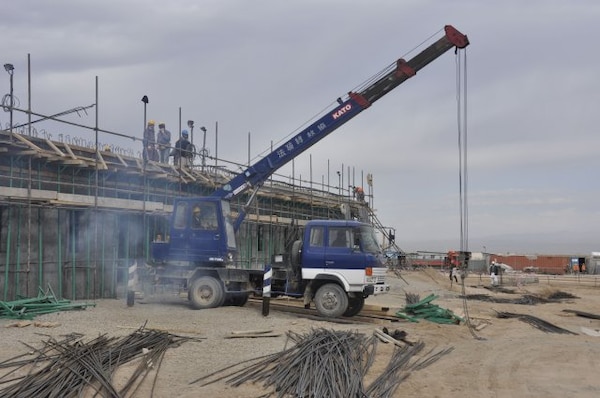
x,y
461,99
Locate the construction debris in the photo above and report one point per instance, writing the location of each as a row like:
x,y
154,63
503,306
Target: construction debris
x,y
24,324
44,303
241,334
583,314
74,368
537,323
527,299
325,363
423,309
590,332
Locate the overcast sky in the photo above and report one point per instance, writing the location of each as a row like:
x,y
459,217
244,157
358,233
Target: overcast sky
x,y
261,69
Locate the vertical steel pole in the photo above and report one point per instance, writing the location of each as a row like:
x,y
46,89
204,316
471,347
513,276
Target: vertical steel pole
x,y
8,243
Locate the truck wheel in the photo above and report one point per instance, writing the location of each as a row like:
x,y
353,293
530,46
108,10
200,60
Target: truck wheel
x,y
331,300
206,292
355,305
238,299
295,254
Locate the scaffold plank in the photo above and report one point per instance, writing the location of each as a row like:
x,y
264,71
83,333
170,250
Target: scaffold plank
x,y
55,148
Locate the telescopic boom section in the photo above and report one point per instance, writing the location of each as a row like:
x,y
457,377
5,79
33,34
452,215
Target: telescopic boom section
x,y
259,172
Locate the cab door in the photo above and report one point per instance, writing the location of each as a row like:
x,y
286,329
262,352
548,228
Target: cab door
x,y
203,230
341,251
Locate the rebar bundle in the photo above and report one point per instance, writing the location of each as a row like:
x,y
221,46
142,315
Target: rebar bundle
x,y
324,363
536,322
70,367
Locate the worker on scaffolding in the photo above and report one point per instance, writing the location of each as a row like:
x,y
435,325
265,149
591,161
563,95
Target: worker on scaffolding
x,y
182,157
149,142
359,193
164,143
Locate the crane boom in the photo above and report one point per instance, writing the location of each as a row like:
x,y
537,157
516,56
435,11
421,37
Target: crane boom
x,y
256,174
202,234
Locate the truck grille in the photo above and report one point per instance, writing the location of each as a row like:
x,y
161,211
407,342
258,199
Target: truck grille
x,y
379,275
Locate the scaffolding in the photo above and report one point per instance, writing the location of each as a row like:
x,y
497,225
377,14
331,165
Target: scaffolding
x,y
76,218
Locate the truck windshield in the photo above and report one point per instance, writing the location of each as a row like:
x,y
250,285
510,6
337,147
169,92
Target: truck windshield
x,y
368,240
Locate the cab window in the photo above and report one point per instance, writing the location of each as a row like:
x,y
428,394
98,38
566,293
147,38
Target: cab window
x,y
316,236
180,215
339,237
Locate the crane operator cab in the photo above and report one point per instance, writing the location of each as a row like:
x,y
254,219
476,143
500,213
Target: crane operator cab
x,y
201,233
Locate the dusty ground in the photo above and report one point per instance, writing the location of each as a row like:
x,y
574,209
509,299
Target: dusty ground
x,y
504,358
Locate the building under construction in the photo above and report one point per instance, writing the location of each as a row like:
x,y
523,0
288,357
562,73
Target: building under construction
x,y
75,219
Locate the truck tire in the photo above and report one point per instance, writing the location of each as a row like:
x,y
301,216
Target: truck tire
x,y
331,300
296,253
237,299
355,305
206,292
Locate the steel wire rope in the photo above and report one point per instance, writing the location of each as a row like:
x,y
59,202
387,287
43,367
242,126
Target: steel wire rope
x,y
461,100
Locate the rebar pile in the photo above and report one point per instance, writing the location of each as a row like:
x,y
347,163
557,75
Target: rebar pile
x,y
399,368
527,299
537,323
72,367
323,363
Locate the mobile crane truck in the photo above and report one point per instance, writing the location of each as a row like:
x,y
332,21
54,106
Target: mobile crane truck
x,y
336,264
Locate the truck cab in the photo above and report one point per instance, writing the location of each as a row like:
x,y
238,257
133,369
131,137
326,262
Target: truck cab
x,y
336,265
201,234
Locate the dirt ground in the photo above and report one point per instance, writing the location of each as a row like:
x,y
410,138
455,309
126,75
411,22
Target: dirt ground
x,y
495,358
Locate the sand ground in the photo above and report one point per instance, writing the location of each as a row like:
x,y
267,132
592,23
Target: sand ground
x,y
493,358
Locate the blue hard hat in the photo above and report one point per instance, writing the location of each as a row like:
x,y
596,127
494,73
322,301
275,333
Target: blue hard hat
x,y
184,133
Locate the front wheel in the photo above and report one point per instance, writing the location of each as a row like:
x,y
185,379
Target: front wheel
x,y
206,292
355,305
331,300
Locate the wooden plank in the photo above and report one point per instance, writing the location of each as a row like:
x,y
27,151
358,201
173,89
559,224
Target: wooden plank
x,y
28,143
102,162
124,163
69,151
55,148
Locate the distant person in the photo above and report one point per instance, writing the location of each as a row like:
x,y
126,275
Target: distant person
x,y
494,271
149,142
453,274
163,139
359,193
181,153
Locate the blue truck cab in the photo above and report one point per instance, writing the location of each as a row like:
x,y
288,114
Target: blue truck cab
x,y
200,234
336,266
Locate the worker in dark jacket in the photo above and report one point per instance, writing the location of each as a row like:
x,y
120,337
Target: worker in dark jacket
x,y
181,153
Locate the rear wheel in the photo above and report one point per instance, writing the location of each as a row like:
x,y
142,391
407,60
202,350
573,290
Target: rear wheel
x,y
355,305
206,292
331,300
237,299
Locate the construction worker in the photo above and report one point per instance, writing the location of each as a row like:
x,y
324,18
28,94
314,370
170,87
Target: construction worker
x,y
360,193
197,217
203,218
180,153
164,142
149,142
